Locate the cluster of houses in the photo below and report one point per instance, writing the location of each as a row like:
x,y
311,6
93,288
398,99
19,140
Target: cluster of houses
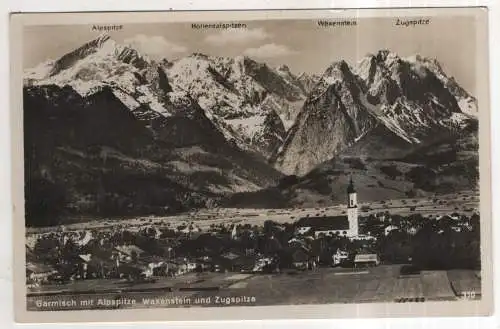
x,y
62,256
144,252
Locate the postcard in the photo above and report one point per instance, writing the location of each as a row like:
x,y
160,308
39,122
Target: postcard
x,y
240,165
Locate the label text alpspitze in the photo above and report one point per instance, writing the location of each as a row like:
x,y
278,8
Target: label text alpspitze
x,y
107,28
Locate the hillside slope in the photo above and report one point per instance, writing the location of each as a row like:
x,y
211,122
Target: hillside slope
x,y
92,156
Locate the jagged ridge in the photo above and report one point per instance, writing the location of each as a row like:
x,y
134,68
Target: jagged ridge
x,y
383,107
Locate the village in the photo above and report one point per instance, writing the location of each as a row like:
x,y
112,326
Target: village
x,y
148,251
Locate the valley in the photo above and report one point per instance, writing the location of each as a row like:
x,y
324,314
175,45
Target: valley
x,y
463,203
112,133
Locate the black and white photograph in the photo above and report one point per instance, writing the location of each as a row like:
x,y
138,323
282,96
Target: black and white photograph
x,y
252,162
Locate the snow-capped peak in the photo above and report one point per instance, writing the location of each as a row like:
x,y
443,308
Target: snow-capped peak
x,y
99,49
102,38
418,58
338,71
241,59
466,102
199,55
102,62
40,71
250,102
283,68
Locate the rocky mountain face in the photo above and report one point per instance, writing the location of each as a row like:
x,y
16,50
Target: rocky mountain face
x,y
448,165
308,81
251,103
382,108
466,102
331,118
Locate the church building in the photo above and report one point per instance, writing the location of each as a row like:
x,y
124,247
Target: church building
x,y
331,225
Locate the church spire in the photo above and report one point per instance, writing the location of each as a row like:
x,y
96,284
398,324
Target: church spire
x,y
234,232
350,188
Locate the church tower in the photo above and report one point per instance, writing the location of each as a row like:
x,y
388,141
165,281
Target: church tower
x,y
352,209
234,233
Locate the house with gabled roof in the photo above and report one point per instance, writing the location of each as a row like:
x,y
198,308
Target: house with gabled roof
x,y
38,272
128,253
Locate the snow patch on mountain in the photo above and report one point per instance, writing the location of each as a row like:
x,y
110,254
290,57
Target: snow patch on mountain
x,y
149,98
286,122
468,106
40,71
126,99
458,120
363,134
393,124
248,126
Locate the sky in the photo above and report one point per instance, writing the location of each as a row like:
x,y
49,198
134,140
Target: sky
x,y
300,44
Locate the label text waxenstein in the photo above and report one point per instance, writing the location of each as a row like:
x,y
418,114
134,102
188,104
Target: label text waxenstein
x,y
218,26
337,23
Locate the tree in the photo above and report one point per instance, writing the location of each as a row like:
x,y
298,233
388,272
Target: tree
x,y
47,249
475,223
45,202
396,247
269,227
134,256
285,258
69,251
288,181
392,171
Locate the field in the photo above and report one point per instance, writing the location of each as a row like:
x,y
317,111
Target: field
x,y
463,203
323,286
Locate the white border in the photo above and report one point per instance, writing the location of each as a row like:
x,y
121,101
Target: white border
x,y
97,5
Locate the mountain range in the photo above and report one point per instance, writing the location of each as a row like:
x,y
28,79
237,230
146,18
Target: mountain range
x,y
109,131
383,108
